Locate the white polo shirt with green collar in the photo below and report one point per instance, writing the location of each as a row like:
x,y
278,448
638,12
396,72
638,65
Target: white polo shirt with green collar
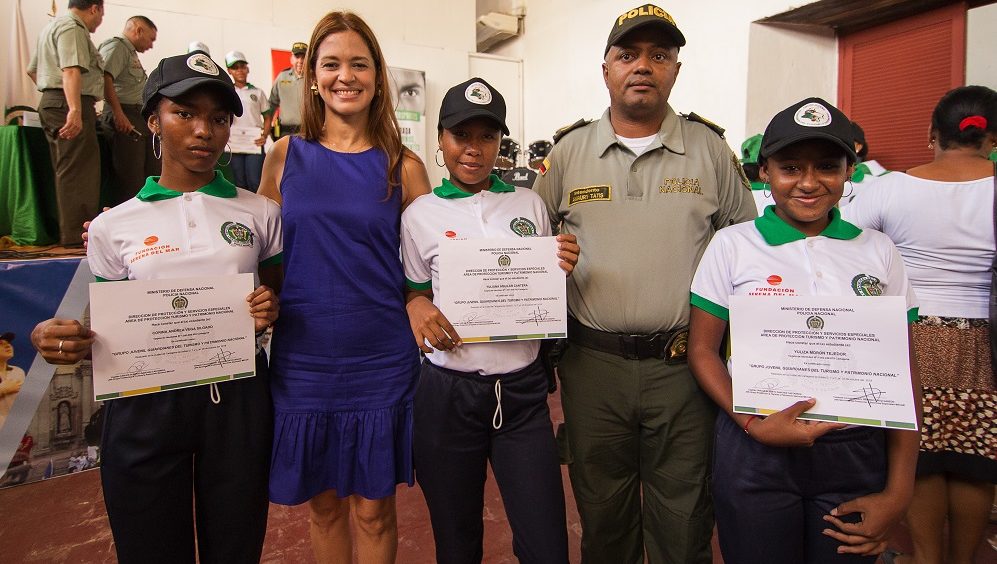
x,y
502,211
161,233
768,257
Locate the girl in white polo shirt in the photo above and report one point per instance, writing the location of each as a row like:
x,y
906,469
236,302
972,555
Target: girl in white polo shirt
x,y
786,490
482,402
197,457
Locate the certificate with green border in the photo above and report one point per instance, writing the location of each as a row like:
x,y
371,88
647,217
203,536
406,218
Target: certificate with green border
x,y
159,335
849,353
503,289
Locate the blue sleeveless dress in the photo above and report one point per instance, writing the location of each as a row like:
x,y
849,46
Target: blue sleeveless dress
x,y
344,363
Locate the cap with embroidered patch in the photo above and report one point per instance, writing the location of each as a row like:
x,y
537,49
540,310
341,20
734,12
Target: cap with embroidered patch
x,y
180,74
233,57
299,48
471,99
813,118
642,16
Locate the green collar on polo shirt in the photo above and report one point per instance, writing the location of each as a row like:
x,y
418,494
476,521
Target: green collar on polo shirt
x,y
449,191
776,232
153,191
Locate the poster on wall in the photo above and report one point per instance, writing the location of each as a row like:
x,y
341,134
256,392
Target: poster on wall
x,y
50,424
409,93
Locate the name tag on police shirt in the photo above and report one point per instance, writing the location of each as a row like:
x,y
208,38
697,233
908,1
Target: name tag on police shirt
x,y
589,194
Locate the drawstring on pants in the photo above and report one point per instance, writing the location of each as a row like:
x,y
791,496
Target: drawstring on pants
x,y
216,395
497,418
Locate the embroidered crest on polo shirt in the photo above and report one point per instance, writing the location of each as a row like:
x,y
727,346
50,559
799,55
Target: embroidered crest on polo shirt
x,y
813,115
866,285
523,227
478,93
202,64
237,234
151,240
450,234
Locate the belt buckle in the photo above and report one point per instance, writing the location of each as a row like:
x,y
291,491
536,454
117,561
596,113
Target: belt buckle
x,y
677,347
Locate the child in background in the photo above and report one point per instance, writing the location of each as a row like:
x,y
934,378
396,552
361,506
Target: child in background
x,y
246,165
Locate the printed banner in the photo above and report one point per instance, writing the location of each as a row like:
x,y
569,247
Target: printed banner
x,y
409,89
50,424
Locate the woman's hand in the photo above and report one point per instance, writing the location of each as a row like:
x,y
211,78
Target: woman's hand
x,y
62,341
263,306
429,324
567,251
783,429
879,512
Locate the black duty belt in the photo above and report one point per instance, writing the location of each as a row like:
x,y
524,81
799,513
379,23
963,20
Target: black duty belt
x,y
670,346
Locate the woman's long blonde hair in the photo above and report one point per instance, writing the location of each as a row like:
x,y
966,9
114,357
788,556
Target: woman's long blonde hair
x,y
382,126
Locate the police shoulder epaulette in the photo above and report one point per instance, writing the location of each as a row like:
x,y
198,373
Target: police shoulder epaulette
x,y
569,128
693,116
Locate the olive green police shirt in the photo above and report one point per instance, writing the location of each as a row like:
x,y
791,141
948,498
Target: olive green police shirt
x,y
122,63
287,93
642,223
64,43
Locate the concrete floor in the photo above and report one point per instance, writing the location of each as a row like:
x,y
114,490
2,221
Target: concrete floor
x,y
63,521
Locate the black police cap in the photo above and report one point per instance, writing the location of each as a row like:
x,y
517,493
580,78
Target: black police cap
x,y
180,74
813,118
471,99
641,16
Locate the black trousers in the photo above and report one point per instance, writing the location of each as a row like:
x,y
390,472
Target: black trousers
x,y
159,449
770,502
455,438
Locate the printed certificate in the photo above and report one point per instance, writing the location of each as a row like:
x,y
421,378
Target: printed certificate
x,y
242,140
850,353
158,335
503,289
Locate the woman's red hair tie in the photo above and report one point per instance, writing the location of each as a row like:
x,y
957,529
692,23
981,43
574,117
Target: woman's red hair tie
x,y
978,121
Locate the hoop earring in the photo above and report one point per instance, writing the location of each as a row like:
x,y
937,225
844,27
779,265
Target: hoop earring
x,y
766,192
157,151
228,151
851,189
439,151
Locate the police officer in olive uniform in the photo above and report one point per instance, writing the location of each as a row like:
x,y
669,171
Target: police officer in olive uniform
x,y
644,189
68,71
129,138
288,91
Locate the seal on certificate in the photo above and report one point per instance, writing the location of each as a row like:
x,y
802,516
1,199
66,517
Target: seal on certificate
x,y
815,322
